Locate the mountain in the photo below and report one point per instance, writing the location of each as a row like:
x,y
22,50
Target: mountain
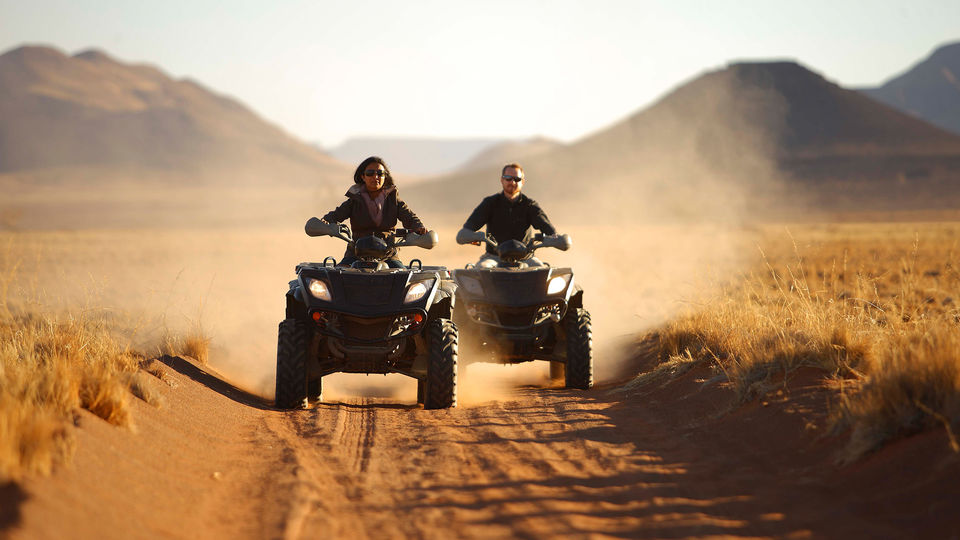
x,y
929,90
90,110
718,144
418,156
511,151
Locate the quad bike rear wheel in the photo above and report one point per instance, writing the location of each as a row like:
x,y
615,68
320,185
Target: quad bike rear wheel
x,y
440,390
291,391
579,368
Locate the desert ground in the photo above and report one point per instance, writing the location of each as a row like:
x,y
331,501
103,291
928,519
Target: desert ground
x,y
731,362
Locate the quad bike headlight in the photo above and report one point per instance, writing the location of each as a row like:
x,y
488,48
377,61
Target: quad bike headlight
x,y
318,289
417,291
558,284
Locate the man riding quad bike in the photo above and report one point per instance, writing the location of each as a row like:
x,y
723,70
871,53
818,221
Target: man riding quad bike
x,y
368,317
517,312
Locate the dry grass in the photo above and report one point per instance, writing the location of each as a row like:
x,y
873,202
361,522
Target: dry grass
x,y
51,366
872,306
195,345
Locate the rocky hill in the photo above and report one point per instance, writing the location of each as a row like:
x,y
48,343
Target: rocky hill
x,y
90,110
929,90
510,151
748,132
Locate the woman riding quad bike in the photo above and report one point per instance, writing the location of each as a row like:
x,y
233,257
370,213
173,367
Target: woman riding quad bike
x,y
370,313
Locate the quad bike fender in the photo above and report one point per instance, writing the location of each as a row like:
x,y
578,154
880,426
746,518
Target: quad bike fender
x,y
444,301
443,304
576,299
296,307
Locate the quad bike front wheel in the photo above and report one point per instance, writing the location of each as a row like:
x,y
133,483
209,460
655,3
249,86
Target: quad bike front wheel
x,y
440,388
291,391
579,368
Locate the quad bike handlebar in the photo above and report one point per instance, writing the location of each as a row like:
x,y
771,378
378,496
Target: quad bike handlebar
x,y
540,240
407,238
315,227
466,236
557,241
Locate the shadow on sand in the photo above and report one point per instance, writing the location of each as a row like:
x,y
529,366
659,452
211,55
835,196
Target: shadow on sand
x,y
214,382
12,496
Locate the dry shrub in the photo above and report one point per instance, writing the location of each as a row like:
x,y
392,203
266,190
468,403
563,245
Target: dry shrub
x,y
868,305
194,345
50,367
914,386
197,346
32,439
103,394
674,366
139,387
53,363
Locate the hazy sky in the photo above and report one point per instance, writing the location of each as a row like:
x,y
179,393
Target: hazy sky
x,y
326,71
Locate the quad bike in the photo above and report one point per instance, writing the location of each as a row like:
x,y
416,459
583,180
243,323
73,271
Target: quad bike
x,y
516,312
368,318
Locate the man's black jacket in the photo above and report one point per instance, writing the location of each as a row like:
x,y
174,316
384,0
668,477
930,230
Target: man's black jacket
x,y
509,220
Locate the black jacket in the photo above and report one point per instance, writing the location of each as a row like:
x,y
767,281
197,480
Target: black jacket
x,y
509,220
361,222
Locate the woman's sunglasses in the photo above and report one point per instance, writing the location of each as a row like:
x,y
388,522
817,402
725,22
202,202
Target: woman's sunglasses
x,y
371,172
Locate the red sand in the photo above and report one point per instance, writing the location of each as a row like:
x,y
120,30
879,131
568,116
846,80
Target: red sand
x,y
671,463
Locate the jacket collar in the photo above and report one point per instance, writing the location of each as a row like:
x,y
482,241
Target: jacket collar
x,y
358,189
519,198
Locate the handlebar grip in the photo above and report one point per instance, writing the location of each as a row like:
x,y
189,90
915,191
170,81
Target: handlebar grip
x,y
466,236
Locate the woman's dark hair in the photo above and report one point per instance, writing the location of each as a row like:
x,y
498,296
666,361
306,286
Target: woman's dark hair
x,y
358,174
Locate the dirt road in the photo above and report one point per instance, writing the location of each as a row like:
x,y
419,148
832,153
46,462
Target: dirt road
x,y
217,462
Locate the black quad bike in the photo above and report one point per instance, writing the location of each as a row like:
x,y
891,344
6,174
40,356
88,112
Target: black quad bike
x,y
368,318
515,312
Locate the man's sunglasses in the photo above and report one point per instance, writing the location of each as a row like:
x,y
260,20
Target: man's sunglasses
x,y
371,172
509,178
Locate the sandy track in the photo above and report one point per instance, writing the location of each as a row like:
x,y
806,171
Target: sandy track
x,y
217,462
367,469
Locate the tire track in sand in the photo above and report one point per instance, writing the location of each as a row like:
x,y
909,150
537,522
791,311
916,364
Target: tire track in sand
x,y
333,445
371,469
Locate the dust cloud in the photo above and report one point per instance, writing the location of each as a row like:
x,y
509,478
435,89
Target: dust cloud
x,y
659,209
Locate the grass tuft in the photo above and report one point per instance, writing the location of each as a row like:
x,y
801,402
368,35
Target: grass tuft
x,y
197,346
915,386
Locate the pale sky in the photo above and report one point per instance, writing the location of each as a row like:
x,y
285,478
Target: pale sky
x,y
325,71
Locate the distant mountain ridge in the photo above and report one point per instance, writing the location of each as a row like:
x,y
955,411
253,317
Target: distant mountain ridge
x,y
929,90
511,151
747,130
772,132
92,110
